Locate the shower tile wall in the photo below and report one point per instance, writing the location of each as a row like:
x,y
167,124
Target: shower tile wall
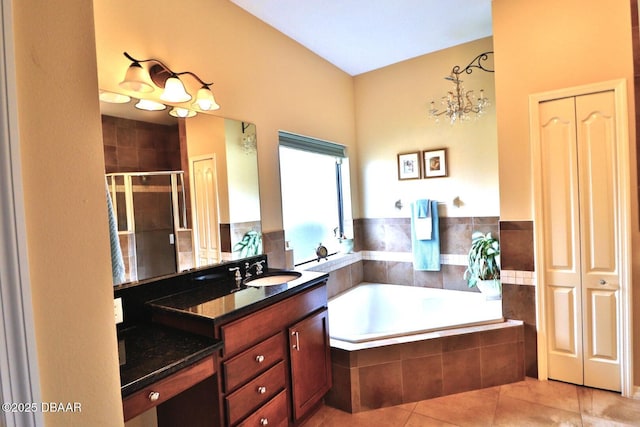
x,y
135,146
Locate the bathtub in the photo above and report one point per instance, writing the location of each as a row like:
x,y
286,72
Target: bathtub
x,y
375,311
393,344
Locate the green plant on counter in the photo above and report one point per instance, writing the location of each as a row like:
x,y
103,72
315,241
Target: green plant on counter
x,y
250,244
484,259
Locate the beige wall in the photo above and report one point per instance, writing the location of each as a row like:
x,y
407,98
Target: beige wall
x,y
64,195
543,45
260,75
391,118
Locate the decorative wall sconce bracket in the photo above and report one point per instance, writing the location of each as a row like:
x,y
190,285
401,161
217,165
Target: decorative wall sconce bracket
x,y
458,102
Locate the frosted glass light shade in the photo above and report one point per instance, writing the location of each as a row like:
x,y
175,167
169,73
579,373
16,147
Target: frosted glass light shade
x,y
148,105
137,79
205,100
113,98
174,91
181,112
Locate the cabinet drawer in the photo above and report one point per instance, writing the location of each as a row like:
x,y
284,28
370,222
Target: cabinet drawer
x,y
253,361
255,393
274,413
270,320
166,388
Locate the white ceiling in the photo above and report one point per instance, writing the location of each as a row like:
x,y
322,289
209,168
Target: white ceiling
x,y
362,35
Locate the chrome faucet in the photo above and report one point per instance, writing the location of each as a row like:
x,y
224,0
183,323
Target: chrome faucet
x,y
238,275
259,265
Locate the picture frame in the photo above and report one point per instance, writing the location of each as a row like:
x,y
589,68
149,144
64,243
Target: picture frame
x,y
434,163
409,166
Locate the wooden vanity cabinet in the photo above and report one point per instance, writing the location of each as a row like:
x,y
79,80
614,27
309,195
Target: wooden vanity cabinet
x,y
310,362
276,365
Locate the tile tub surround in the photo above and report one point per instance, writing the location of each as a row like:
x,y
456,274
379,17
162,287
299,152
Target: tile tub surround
x,y
388,243
519,284
386,247
426,366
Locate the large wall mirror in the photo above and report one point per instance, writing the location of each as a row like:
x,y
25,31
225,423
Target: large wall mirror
x,y
183,192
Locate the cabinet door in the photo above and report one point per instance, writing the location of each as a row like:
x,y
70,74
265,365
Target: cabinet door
x,y
310,362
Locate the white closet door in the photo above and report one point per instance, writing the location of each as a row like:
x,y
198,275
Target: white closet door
x,y
578,146
560,207
600,277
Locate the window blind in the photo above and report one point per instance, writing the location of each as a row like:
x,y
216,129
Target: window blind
x,y
312,145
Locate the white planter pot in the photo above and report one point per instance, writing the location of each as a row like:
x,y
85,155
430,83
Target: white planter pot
x,y
491,289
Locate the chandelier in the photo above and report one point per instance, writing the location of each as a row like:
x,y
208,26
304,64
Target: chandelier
x,y
248,139
459,104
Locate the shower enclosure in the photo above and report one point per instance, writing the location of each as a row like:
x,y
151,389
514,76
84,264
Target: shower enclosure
x,y
153,231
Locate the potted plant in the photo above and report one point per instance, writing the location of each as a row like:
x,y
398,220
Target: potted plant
x,y
250,244
483,269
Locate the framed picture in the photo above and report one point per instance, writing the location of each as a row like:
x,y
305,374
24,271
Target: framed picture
x,y
435,163
409,165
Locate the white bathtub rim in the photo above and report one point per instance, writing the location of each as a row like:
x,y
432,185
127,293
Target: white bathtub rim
x,y
367,340
350,346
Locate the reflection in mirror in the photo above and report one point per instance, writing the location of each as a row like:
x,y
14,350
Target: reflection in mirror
x,y
184,192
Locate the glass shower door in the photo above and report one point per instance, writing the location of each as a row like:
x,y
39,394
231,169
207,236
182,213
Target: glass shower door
x,y
154,225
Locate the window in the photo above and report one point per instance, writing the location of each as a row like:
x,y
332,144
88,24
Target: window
x,y
316,198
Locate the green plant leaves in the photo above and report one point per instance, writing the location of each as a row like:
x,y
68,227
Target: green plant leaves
x,y
483,259
250,244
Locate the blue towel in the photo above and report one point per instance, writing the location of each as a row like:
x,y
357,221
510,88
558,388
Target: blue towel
x,y
423,223
426,253
117,261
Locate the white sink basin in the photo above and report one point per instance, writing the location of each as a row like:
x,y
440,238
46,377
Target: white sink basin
x,y
271,279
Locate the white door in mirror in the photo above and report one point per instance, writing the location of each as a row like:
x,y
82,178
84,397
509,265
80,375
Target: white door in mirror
x,y
117,309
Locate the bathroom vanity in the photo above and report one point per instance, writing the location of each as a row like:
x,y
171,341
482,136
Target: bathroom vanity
x,y
249,356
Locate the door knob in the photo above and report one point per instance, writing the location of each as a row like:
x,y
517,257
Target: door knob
x,y
603,282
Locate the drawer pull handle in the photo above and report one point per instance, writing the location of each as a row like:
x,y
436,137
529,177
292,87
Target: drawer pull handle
x,y
296,346
262,390
260,358
264,422
154,395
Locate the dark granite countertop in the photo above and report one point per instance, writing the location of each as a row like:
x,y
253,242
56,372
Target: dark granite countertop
x,y
152,352
220,301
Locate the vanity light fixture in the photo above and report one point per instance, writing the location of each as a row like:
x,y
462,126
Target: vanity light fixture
x,y
459,104
113,98
181,112
149,105
138,79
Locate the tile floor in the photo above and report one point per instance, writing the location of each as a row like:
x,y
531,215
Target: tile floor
x,y
526,403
